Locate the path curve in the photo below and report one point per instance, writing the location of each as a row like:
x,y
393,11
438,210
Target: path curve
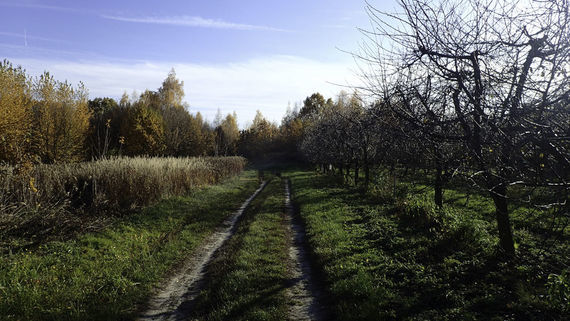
x,y
170,302
306,296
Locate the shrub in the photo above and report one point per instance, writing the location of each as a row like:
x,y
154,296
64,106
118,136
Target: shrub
x,y
452,229
559,290
420,212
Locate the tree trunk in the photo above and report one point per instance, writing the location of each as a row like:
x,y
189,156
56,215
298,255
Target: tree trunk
x,y
438,184
393,172
499,194
356,174
366,168
366,174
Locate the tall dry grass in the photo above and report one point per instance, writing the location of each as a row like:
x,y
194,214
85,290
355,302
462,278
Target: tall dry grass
x,y
75,196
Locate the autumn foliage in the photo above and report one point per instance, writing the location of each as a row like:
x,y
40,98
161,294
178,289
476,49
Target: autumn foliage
x,y
43,120
15,112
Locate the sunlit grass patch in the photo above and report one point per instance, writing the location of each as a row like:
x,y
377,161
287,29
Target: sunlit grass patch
x,y
387,255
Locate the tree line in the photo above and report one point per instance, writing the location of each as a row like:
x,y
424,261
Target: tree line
x,y
43,120
465,88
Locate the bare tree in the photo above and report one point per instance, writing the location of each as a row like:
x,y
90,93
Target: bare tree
x,y
498,69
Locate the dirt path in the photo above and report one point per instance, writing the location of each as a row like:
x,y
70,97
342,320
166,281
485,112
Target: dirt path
x,y
171,301
307,297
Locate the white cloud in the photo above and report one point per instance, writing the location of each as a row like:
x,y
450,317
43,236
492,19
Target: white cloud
x,y
192,21
10,50
186,21
41,6
27,36
267,84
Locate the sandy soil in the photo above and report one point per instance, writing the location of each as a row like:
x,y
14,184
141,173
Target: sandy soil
x,y
304,291
172,301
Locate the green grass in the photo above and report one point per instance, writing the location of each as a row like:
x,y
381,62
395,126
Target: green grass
x,y
386,258
105,275
248,278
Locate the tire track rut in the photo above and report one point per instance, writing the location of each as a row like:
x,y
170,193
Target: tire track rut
x,y
173,300
307,297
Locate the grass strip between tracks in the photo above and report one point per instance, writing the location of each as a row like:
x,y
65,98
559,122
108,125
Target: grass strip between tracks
x,y
248,277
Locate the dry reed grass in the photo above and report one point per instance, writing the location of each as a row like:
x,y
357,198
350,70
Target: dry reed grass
x,y
56,199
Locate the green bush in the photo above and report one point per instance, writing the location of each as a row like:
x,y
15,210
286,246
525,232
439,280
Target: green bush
x,y
559,290
420,212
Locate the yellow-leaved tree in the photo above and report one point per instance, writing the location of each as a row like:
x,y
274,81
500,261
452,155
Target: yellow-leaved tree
x,y
144,131
15,113
227,135
257,141
61,120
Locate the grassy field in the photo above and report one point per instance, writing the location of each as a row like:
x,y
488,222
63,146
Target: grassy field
x,y
385,257
381,255
105,275
247,280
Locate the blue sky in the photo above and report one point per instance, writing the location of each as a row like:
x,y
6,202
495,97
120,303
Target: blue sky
x,y
232,55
